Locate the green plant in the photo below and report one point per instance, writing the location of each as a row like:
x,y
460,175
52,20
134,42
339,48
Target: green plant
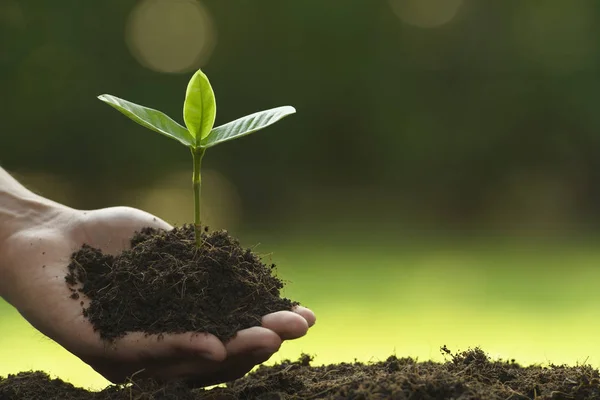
x,y
199,111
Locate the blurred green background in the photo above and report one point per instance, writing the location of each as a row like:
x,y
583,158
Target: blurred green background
x,y
439,184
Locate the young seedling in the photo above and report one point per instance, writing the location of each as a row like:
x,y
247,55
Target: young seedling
x,y
199,111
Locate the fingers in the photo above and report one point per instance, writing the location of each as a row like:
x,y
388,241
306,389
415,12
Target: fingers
x,y
256,341
139,347
200,358
308,315
230,370
170,357
249,348
288,325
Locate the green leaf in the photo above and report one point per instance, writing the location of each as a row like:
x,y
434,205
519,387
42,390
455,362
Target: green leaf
x,y
246,125
199,108
150,118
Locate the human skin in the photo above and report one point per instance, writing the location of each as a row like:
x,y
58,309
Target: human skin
x,y
37,238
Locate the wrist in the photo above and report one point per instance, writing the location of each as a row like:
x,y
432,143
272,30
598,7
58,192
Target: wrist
x,y
21,209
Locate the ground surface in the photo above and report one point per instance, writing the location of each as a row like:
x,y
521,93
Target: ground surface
x,y
537,302
166,284
467,375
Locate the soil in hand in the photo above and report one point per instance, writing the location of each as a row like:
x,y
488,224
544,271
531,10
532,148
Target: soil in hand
x,y
467,375
166,284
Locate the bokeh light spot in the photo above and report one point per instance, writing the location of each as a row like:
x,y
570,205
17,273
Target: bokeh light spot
x,y
172,36
426,13
11,15
557,36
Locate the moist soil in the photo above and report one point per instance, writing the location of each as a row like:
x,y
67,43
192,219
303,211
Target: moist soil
x,y
467,375
167,284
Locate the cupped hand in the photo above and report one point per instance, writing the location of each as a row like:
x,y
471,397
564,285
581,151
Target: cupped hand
x,y
39,257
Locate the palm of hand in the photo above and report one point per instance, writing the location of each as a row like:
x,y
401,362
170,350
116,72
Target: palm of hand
x,y
41,295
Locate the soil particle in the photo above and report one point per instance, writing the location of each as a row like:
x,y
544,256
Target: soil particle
x,y
467,375
166,284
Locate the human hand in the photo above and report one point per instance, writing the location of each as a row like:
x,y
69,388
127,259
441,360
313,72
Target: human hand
x,y
38,257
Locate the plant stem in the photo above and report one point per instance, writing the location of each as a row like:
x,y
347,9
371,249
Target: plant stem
x,y
197,155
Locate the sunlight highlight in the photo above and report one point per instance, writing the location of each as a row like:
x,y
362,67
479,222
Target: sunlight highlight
x,y
426,13
170,36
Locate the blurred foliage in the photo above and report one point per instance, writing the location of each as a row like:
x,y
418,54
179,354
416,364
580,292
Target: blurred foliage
x,y
486,119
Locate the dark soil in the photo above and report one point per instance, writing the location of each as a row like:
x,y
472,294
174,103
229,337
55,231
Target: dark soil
x,y
467,375
165,284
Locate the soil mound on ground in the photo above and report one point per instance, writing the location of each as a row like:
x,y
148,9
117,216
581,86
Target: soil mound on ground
x,y
166,284
468,375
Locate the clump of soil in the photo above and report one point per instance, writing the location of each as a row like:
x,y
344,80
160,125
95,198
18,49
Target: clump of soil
x,y
166,284
467,375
